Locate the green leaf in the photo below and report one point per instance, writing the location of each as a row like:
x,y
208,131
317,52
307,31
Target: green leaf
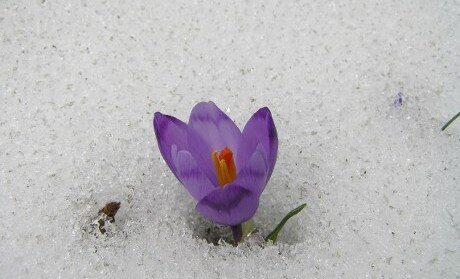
x,y
247,228
449,122
274,234
241,231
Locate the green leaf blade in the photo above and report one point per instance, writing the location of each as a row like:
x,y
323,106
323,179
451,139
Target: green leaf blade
x,y
274,234
247,228
450,121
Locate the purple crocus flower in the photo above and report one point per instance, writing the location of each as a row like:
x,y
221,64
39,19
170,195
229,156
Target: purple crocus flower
x,y
225,170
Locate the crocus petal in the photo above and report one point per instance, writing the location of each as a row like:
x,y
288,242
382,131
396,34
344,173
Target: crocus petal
x,y
191,176
201,152
171,135
259,129
214,126
253,176
230,206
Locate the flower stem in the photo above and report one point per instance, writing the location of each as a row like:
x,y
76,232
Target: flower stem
x,y
237,232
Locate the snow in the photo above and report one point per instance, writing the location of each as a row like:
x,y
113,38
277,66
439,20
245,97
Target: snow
x,y
80,81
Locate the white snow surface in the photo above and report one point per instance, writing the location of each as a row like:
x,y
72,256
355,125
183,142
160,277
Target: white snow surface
x,y
81,80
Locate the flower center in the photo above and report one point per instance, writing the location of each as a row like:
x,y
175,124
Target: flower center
x,y
225,166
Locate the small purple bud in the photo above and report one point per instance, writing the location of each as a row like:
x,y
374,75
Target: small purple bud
x,y
399,100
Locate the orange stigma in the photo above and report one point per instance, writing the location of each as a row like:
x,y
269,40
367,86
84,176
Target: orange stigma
x,y
225,166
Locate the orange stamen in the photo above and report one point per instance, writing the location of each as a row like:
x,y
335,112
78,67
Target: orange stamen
x,y
224,166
